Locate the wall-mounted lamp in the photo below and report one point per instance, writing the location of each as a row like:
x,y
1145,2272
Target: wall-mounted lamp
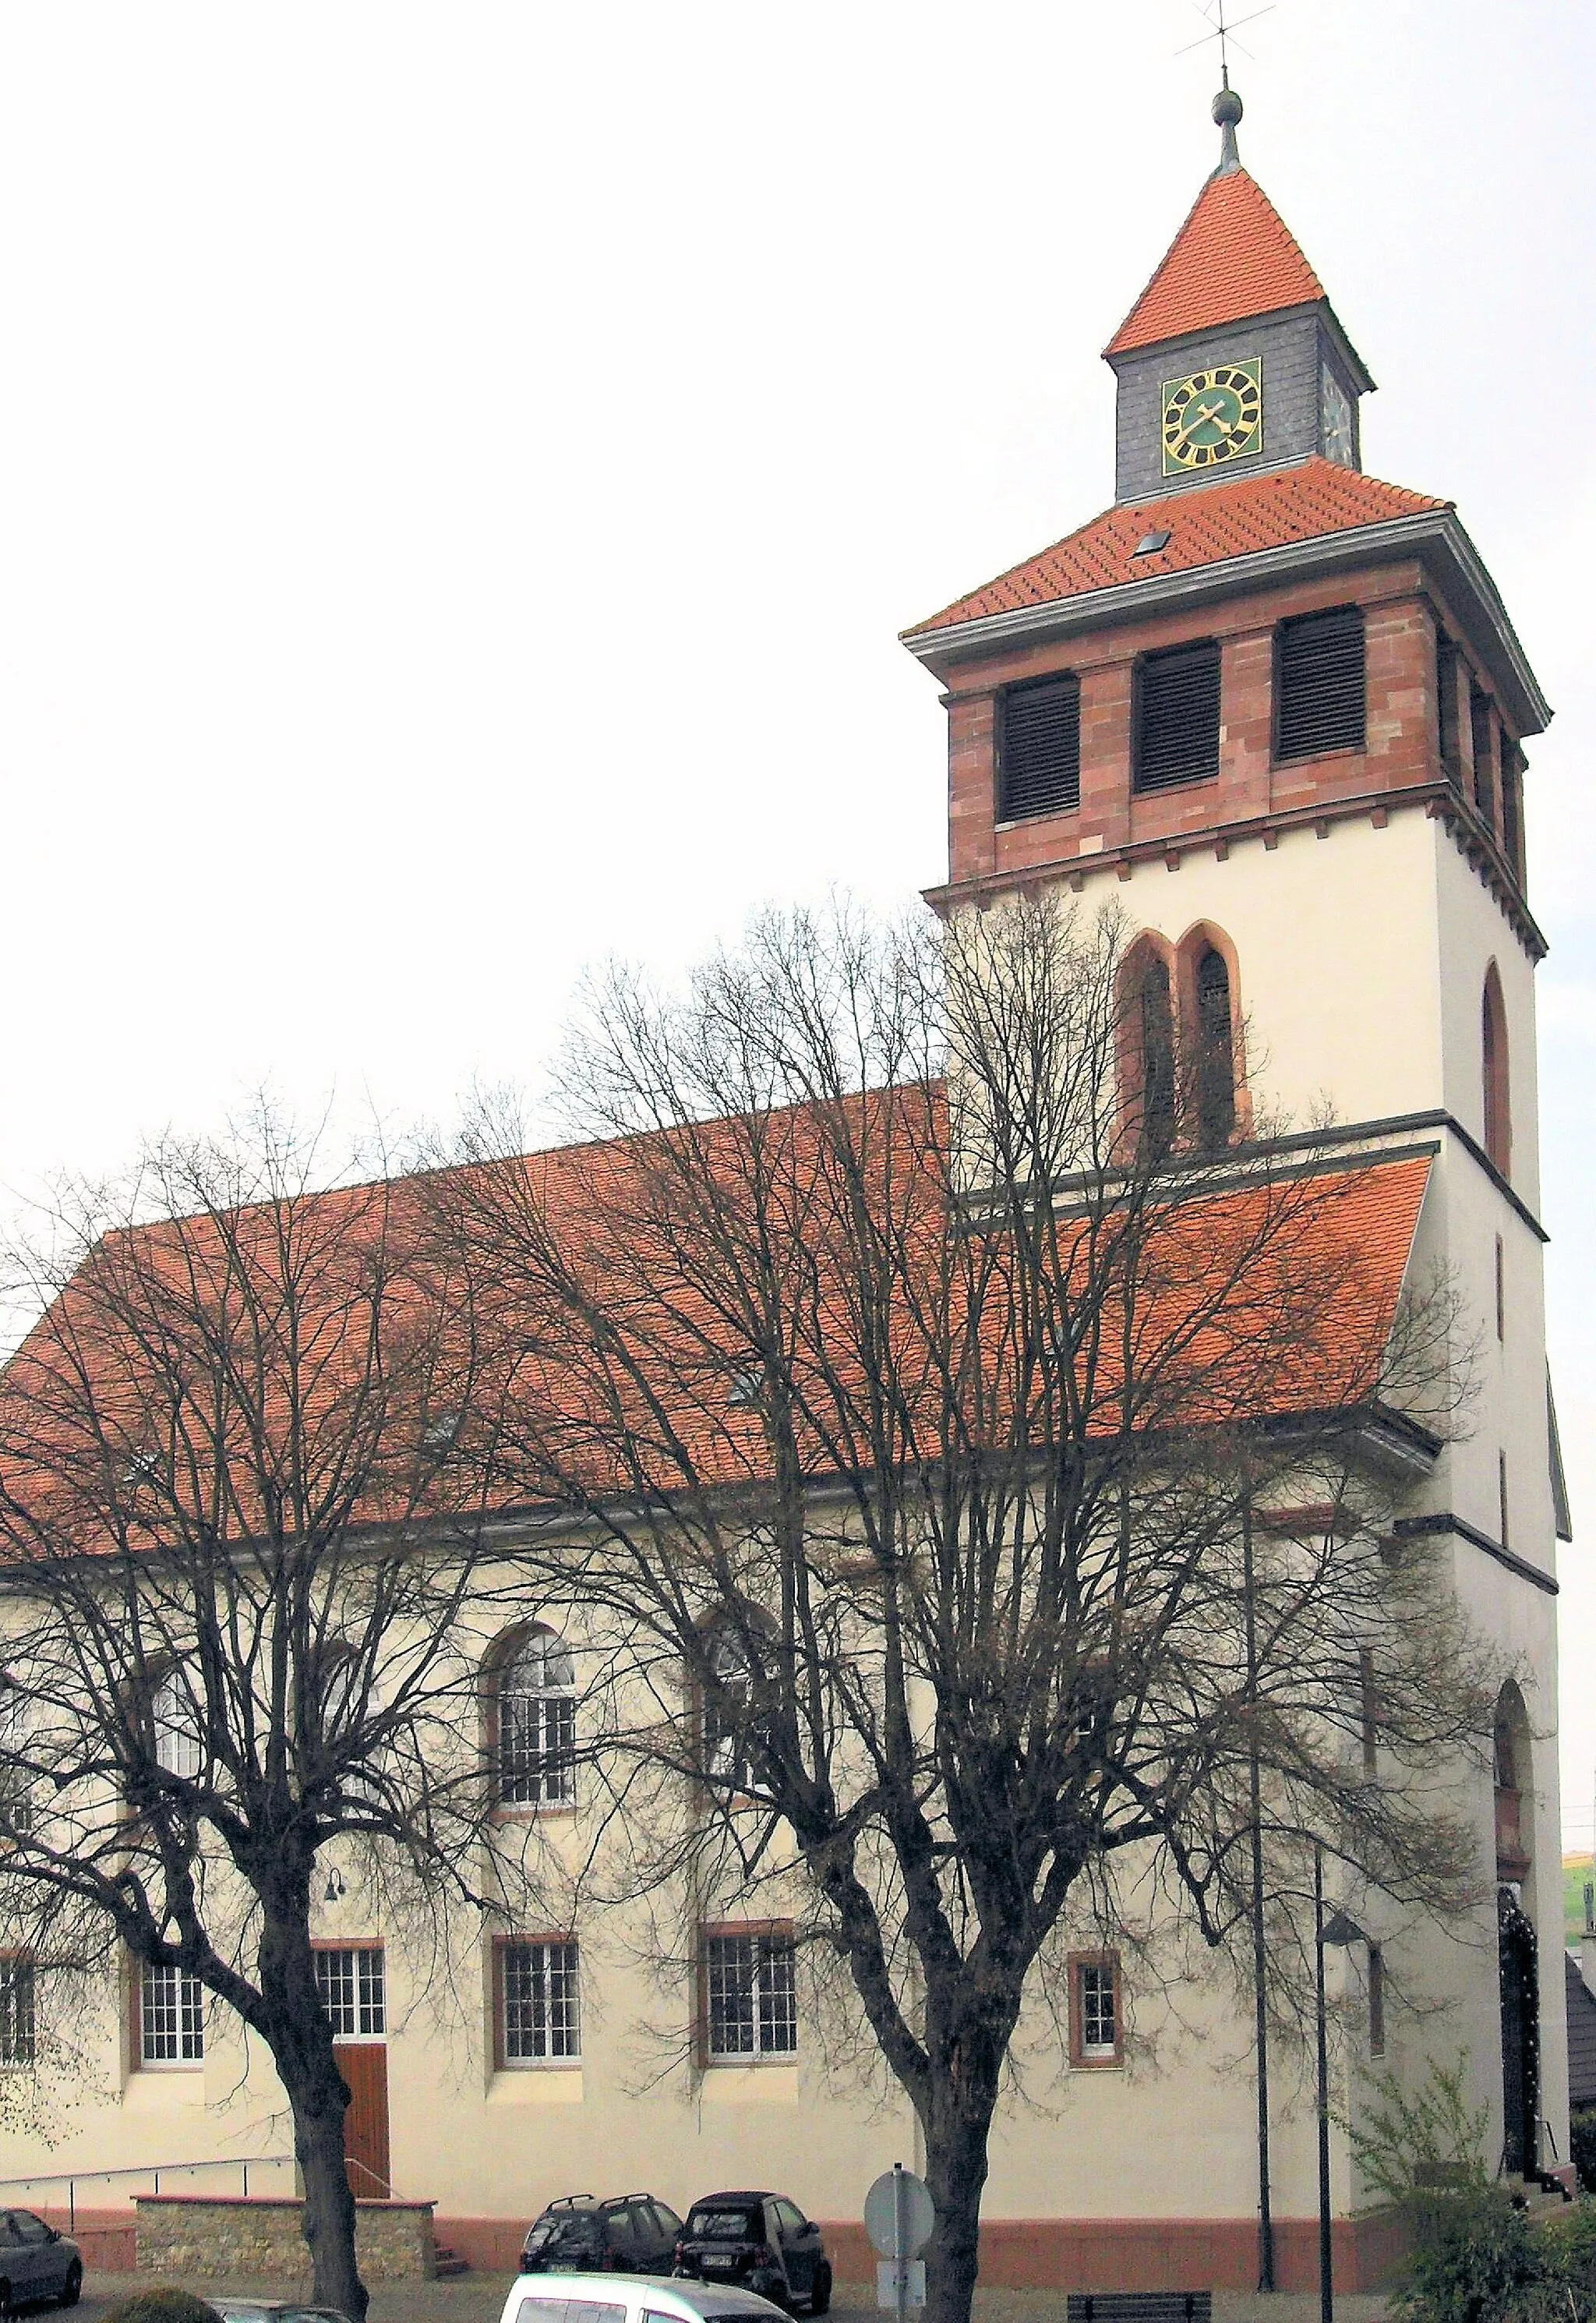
x,y
335,1887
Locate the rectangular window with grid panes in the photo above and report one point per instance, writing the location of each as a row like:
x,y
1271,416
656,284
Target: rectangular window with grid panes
x,y
751,1997
539,2001
1094,2036
172,2017
350,1981
18,2025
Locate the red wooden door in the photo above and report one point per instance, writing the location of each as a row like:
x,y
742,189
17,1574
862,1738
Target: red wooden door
x,y
364,2067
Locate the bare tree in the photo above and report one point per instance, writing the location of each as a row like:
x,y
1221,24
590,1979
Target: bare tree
x,y
241,1557
910,1358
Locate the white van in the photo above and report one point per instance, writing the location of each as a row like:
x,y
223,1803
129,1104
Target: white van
x,y
631,2299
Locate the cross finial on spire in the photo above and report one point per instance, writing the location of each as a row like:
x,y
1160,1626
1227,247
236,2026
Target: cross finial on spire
x,y
1227,104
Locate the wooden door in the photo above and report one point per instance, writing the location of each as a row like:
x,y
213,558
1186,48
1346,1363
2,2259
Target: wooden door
x,y
364,2067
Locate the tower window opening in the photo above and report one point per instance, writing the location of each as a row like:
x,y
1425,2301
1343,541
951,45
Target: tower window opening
x,y
1512,818
1501,1294
1177,718
1155,1041
1376,2001
1321,692
1446,733
1215,1057
1501,1488
1484,774
1038,750
1493,1074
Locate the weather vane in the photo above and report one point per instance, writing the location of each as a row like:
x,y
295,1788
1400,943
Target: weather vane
x,y
1212,12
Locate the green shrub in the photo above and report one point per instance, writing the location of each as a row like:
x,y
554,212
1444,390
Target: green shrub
x,y
1472,2258
1581,2139
162,2303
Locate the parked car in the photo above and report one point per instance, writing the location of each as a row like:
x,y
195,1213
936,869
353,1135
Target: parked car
x,y
273,2310
763,2240
37,2263
620,2298
627,2234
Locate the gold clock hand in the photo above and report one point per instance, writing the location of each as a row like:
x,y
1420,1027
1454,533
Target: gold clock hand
x,y
1208,411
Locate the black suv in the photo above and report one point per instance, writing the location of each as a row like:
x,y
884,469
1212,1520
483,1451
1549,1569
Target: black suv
x,y
762,2240
630,2233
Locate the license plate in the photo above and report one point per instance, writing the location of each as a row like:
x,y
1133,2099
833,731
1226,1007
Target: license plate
x,y
720,2265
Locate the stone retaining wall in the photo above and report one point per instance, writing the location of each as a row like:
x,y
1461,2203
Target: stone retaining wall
x,y
232,2238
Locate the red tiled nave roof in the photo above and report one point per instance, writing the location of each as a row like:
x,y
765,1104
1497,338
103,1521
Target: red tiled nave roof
x,y
1205,524
1233,257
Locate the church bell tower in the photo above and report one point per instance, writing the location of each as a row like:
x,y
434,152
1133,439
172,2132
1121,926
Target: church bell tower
x,y
1276,708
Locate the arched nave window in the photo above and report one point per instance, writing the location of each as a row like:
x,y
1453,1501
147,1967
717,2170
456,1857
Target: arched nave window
x,y
536,1744
1216,1052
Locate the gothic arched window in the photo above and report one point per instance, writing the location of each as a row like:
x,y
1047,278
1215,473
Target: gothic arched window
x,y
1155,1029
1493,1073
1215,1057
537,1724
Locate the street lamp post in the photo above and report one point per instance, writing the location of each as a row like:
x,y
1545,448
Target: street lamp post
x,y
1337,1930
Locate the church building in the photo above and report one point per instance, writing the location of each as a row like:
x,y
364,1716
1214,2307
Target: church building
x,y
1275,708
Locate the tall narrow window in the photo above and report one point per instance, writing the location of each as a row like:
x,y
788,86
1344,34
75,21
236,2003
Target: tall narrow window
x,y
171,2017
1155,1030
1320,687
351,1980
1512,796
177,1728
751,1996
1446,734
1368,1710
1176,717
1376,2001
1479,727
539,2013
1501,1294
1096,2035
1493,1073
1038,748
537,1724
1215,1058
725,1713
1501,1489
19,2032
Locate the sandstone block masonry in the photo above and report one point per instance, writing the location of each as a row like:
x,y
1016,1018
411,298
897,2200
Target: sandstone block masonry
x,y
239,2239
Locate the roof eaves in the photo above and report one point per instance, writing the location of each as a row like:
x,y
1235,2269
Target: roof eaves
x,y
1430,531
1116,358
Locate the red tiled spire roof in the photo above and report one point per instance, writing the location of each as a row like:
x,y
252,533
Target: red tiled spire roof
x,y
1215,521
1233,257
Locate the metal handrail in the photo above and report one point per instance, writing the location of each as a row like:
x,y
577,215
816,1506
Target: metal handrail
x,y
72,2179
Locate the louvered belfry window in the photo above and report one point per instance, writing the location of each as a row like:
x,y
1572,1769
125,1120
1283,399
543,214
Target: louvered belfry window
x,y
1038,750
1177,717
1446,704
1321,696
1479,732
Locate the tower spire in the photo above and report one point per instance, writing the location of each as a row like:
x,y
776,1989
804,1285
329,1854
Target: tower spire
x,y
1227,112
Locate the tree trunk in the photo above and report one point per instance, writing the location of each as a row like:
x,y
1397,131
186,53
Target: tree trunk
x,y
300,2040
956,2175
328,2224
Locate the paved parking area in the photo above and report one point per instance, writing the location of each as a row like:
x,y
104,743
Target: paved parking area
x,y
479,2297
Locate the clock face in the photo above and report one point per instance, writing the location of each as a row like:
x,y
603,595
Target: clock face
x,y
1336,419
1213,416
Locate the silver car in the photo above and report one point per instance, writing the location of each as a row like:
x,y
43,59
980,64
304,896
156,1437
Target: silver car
x,y
632,2298
37,2263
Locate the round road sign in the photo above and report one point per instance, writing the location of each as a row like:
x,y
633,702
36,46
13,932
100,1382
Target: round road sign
x,y
899,2215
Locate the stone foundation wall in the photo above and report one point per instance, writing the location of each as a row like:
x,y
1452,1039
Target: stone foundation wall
x,y
231,2239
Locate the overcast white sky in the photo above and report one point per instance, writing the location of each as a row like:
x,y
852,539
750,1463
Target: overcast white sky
x,y
463,469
